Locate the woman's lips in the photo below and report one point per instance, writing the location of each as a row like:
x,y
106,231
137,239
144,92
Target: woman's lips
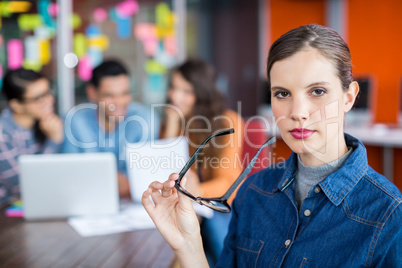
x,y
301,133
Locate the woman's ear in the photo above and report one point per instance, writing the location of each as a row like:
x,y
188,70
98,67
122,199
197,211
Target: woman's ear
x,y
92,93
349,96
16,106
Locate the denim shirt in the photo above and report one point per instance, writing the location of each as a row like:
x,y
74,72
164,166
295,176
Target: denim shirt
x,y
353,218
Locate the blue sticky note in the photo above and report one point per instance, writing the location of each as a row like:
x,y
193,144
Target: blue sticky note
x,y
43,8
123,27
95,56
92,31
156,82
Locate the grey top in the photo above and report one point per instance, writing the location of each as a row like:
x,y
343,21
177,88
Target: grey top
x,y
307,177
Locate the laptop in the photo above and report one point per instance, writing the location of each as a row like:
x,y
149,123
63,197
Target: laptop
x,y
154,161
62,185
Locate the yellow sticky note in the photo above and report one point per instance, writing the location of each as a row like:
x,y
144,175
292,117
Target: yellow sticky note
x,y
44,51
75,21
29,22
80,45
101,42
162,14
31,65
19,6
153,67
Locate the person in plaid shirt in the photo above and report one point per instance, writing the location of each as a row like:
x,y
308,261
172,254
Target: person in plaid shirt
x,y
27,126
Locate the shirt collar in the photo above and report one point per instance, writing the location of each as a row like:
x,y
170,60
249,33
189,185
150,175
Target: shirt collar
x,y
339,183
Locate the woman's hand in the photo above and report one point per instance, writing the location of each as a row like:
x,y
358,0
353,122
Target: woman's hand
x,y
52,127
174,216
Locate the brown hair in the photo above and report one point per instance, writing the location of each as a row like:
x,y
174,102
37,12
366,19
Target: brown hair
x,y
324,39
209,103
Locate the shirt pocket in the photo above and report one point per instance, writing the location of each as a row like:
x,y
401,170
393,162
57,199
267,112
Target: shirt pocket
x,y
248,250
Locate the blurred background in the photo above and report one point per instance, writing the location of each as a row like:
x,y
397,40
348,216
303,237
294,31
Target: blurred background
x,y
66,39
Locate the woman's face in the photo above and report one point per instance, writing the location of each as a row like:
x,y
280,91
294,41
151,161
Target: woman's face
x,y
38,100
181,94
309,104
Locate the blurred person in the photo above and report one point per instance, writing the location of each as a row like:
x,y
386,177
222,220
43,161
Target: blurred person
x,y
28,125
196,109
111,120
324,206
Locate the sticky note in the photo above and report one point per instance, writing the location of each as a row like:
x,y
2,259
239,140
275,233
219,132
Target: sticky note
x,y
44,51
156,82
80,45
19,6
43,9
144,31
32,65
44,32
92,31
31,49
153,67
164,58
123,27
162,13
15,53
150,46
170,45
14,212
29,22
84,69
53,9
95,56
5,9
75,21
100,42
100,15
127,8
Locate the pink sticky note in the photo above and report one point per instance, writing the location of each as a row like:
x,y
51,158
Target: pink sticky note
x,y
15,53
53,9
144,31
85,68
150,46
14,212
169,43
127,8
100,15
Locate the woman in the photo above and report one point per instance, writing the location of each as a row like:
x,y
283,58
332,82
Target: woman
x,y
27,126
196,108
324,206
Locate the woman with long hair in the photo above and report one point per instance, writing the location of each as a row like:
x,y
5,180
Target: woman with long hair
x,y
195,109
27,126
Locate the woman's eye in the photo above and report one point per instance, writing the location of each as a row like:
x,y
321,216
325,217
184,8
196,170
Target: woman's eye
x,y
318,92
281,94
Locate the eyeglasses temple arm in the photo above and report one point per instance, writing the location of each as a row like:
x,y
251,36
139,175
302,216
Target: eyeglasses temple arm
x,y
247,170
199,149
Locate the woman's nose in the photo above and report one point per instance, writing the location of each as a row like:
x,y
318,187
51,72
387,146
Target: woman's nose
x,y
299,110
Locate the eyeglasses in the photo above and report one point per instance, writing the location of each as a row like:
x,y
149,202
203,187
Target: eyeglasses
x,y
219,204
38,98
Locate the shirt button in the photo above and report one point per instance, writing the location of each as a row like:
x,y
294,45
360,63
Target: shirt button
x,y
287,242
317,190
307,212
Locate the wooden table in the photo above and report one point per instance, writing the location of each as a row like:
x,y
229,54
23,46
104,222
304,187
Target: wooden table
x,y
56,244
